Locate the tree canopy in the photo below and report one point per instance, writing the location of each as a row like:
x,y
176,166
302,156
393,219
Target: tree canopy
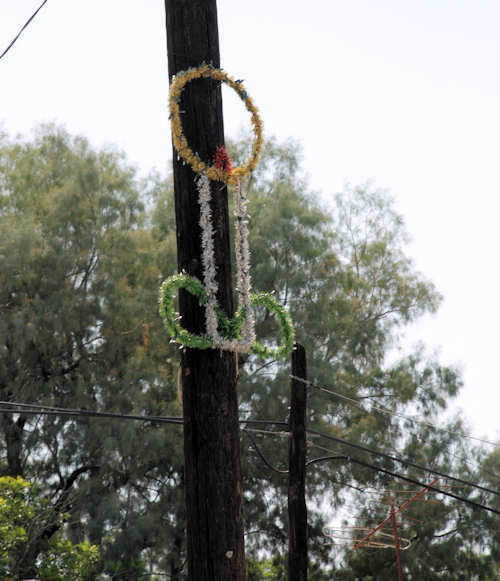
x,y
84,245
26,521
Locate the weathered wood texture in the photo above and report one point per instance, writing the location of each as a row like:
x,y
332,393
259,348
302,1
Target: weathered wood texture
x,y
297,510
213,489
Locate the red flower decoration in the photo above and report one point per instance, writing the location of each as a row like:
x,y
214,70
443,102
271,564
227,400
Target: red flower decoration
x,y
222,160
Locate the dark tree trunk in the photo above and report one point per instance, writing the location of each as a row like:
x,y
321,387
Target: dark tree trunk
x,y
13,433
209,378
297,511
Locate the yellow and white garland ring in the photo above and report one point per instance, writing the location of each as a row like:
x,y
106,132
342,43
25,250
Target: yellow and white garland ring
x,y
180,142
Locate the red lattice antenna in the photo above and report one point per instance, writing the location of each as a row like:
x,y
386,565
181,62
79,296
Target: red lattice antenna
x,y
400,509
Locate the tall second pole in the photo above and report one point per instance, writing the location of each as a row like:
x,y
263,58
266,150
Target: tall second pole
x,y
213,489
297,510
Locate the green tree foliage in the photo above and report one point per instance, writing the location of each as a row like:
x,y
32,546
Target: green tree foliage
x,y
84,246
25,517
79,273
264,569
351,288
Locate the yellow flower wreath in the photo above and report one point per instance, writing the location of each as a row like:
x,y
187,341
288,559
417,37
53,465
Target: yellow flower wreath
x,y
180,142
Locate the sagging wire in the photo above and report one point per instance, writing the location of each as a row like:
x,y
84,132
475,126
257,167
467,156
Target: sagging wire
x,y
40,409
383,410
346,458
25,25
262,457
419,483
402,461
379,409
36,409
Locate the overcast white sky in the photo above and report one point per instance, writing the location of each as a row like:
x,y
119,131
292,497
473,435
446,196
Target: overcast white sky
x,y
402,93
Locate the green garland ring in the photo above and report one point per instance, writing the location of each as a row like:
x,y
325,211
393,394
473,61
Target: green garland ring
x,y
230,328
285,324
171,319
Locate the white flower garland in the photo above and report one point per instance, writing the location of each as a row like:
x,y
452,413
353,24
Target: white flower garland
x,y
242,256
207,255
242,252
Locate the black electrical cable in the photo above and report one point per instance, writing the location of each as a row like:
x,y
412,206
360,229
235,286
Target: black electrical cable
x,y
429,487
46,410
407,479
88,413
401,461
383,410
263,458
25,25
268,422
49,410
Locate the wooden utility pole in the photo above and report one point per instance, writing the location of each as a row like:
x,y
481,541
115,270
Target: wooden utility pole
x,y
212,465
297,511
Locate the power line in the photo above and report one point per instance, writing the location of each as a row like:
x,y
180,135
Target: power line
x,y
37,409
25,25
379,409
347,458
370,489
268,422
260,431
384,410
390,473
401,461
46,410
34,409
407,479
263,458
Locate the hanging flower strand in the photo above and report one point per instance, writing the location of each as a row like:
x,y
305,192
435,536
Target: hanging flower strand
x,y
236,334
